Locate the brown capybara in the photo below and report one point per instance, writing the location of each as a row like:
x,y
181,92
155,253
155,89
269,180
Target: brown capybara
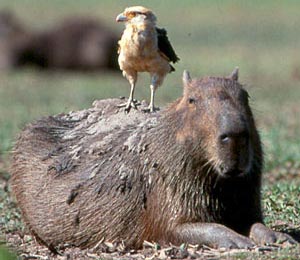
x,y
77,43
188,174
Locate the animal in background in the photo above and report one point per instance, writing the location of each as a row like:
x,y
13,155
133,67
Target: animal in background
x,y
144,48
75,43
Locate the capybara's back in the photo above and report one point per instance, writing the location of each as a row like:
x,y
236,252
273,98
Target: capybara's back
x,y
73,179
190,173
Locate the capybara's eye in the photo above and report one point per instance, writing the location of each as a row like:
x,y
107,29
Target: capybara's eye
x,y
191,100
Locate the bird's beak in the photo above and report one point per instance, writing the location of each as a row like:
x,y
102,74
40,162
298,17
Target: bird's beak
x,y
121,18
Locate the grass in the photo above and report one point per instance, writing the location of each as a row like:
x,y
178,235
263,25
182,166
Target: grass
x,y
281,203
211,38
6,255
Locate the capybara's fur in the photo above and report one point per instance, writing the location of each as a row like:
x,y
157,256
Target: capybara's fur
x,y
190,173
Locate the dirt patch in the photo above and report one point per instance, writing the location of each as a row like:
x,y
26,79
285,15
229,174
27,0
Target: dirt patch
x,y
26,247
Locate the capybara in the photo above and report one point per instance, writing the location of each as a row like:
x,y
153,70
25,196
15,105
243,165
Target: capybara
x,y
77,43
188,174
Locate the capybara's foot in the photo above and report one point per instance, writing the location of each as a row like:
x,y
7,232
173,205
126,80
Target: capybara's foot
x,y
236,241
262,235
211,234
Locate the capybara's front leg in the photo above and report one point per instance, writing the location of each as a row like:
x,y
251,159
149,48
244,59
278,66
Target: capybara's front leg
x,y
262,235
210,234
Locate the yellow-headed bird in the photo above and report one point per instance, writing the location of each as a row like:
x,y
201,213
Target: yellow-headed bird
x,y
144,47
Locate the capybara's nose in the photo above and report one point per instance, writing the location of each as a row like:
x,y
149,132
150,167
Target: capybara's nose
x,y
233,134
234,147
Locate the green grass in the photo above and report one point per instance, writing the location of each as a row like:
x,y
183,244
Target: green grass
x,y
281,203
211,38
6,255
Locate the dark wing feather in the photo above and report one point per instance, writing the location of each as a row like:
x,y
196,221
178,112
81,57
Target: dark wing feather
x,y
165,46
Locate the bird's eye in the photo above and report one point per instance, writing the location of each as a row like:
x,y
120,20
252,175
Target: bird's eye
x,y
191,100
131,14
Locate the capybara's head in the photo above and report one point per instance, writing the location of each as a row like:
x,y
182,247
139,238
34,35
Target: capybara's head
x,y
217,124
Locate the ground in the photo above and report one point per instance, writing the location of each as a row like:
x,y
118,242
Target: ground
x,y
211,38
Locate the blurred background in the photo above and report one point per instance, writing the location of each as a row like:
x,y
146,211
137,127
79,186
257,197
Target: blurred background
x,y
59,55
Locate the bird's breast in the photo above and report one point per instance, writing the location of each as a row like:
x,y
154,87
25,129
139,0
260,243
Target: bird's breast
x,y
138,43
139,51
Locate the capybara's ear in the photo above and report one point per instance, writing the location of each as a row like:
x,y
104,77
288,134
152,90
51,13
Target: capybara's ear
x,y
235,74
186,78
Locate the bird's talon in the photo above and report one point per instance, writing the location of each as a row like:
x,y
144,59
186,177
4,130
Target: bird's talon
x,y
128,105
122,105
133,104
150,109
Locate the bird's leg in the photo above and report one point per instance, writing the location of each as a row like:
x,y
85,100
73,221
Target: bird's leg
x,y
151,108
131,102
151,105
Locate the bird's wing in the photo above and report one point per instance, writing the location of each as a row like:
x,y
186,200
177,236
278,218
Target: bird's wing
x,y
165,46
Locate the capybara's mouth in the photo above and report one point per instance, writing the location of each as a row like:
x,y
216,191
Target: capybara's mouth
x,y
234,173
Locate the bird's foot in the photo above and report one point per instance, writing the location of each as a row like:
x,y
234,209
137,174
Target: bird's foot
x,y
130,104
150,109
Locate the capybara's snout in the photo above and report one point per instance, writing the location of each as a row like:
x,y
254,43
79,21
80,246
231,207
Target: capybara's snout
x,y
234,144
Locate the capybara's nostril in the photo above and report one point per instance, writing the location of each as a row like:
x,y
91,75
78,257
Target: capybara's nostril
x,y
225,139
230,139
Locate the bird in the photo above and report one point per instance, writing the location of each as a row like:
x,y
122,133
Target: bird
x,y
143,47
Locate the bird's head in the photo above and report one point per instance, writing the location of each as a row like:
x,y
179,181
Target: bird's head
x,y
136,14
